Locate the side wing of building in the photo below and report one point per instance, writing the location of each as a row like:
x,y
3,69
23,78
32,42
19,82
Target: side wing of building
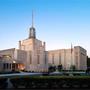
x,y
80,58
66,57
13,56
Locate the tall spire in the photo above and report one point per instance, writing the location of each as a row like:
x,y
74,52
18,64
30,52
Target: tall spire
x,y
32,18
32,33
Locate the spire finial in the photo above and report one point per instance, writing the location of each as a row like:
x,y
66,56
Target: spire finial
x,y
32,18
32,33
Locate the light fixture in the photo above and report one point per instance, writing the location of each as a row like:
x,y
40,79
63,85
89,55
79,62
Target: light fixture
x,y
14,61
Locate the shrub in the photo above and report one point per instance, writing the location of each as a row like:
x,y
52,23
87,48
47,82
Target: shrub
x,y
3,82
50,81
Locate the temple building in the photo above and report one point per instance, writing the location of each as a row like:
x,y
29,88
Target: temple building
x,y
32,55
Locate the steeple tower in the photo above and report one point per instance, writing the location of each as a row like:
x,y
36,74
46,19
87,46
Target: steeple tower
x,y
32,33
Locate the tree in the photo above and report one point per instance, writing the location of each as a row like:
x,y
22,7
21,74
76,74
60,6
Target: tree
x,y
52,68
73,67
60,67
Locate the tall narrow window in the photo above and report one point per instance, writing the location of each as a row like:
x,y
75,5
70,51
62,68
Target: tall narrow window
x,y
38,59
4,66
59,58
10,65
7,65
45,58
52,58
76,59
30,57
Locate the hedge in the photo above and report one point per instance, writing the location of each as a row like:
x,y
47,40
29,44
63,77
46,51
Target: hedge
x,y
51,82
3,82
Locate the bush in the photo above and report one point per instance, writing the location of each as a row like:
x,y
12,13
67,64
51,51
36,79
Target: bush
x,y
51,81
3,82
60,67
52,68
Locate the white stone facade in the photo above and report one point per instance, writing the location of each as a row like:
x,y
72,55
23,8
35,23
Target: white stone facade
x,y
35,54
32,54
77,57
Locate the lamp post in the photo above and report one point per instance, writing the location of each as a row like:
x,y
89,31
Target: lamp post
x,y
14,65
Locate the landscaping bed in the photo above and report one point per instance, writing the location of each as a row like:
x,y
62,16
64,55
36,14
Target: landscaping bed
x,y
51,82
3,82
